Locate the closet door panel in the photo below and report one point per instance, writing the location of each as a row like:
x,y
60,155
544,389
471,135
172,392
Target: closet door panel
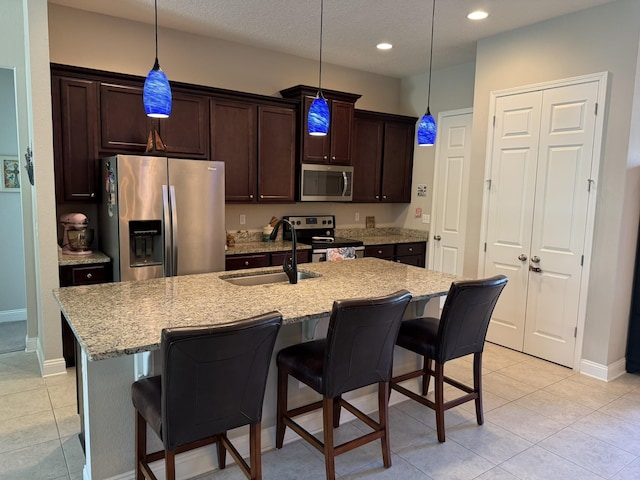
x,y
559,219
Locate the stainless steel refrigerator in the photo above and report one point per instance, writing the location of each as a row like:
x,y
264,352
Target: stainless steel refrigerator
x,y
161,216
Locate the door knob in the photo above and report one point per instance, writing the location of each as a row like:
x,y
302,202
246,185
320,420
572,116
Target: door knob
x,y
522,257
535,259
437,238
534,269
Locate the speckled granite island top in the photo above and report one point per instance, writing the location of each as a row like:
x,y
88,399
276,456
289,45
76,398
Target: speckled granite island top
x,y
114,319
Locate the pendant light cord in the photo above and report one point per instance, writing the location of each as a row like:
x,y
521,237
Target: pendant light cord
x,y
320,70
433,14
156,18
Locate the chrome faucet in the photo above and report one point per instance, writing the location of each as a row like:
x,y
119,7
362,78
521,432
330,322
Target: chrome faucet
x,y
291,269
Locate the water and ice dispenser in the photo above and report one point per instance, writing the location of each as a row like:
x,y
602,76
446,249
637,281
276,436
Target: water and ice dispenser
x,y
145,243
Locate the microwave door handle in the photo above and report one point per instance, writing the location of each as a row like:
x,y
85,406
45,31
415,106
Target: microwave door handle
x,y
345,182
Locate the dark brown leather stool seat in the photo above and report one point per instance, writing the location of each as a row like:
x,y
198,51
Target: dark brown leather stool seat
x,y
460,331
357,352
213,380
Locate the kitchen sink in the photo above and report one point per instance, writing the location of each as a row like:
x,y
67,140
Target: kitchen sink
x,y
265,278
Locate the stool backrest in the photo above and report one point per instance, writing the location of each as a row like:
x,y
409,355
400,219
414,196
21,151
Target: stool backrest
x,y
360,341
214,378
466,315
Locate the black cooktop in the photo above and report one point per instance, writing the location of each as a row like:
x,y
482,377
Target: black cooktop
x,y
318,231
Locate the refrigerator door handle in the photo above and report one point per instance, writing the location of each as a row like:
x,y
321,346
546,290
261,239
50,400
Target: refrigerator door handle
x,y
166,213
174,230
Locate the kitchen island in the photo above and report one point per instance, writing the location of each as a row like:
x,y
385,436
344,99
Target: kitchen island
x,y
118,326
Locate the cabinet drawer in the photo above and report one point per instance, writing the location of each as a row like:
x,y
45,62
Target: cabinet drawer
x,y
278,257
84,275
380,251
403,249
238,262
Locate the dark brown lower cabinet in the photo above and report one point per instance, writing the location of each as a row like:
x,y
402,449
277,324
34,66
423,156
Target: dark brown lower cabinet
x,y
264,259
413,253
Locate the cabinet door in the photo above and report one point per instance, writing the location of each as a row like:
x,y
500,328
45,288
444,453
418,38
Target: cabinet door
x,y
233,141
367,159
186,131
315,149
125,126
75,132
302,256
341,127
397,162
276,154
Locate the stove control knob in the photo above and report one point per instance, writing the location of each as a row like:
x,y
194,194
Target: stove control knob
x,y
329,222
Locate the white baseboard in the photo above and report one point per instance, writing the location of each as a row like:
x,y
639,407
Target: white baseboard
x,y
203,460
13,315
606,373
48,368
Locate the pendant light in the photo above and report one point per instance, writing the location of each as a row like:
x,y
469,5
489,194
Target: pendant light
x,y
427,124
318,119
156,94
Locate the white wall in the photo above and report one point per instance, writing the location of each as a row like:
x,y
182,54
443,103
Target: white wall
x,y
12,278
598,39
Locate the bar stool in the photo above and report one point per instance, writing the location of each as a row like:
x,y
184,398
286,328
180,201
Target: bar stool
x,y
358,351
213,380
460,331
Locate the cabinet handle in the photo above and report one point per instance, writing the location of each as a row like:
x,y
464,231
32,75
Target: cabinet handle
x,y
89,275
83,195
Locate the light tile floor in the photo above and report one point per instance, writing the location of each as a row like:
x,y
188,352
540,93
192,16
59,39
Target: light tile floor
x,y
542,421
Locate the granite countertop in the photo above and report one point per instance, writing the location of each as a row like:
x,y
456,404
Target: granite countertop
x,y
94,257
245,248
115,319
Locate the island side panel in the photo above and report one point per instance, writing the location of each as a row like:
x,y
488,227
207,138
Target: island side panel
x,y
108,416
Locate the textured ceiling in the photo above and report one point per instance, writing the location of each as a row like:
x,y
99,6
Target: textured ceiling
x,y
352,28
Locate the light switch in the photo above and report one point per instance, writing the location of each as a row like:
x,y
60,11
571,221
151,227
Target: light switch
x,y
357,216
243,219
426,218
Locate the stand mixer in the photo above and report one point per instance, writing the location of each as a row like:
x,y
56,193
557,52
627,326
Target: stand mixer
x,y
76,237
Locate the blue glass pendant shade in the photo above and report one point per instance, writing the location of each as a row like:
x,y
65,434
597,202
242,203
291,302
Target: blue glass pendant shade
x,y
156,94
427,129
318,119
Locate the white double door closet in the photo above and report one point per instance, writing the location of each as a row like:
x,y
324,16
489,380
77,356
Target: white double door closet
x,y
543,155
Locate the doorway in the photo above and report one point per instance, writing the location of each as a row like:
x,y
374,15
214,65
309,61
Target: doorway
x,y
13,309
538,213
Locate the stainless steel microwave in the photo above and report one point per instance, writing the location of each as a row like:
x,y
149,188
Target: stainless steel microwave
x,y
326,183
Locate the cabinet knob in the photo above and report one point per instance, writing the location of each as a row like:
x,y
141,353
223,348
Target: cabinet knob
x,y
333,158
325,157
261,196
380,252
384,197
89,275
377,197
411,249
246,262
251,195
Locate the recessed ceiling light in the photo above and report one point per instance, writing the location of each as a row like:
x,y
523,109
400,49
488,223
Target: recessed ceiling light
x,y
477,15
384,46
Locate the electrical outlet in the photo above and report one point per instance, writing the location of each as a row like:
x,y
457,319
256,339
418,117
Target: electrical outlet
x,y
357,216
426,218
243,219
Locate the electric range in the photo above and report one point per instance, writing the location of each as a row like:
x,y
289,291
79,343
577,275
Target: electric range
x,y
319,232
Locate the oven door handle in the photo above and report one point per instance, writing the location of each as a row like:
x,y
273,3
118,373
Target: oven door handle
x,y
324,250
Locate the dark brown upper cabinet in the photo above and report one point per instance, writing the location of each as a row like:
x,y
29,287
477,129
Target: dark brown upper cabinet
x,y
382,157
335,147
